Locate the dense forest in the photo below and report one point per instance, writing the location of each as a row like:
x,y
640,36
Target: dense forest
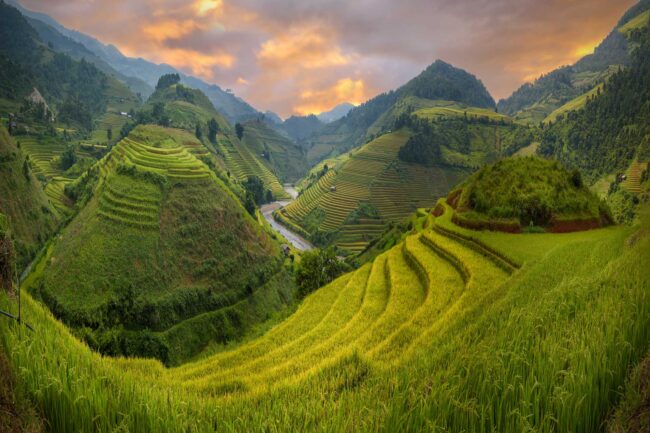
x,y
607,134
76,90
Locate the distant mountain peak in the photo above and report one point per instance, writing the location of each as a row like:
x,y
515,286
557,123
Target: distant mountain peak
x,y
336,113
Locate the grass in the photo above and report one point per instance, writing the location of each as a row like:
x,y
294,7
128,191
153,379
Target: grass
x,y
405,343
637,22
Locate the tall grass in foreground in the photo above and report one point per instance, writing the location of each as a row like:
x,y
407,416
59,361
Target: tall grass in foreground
x,y
547,350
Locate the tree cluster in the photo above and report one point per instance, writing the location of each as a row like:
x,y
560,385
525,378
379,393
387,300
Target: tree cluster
x,y
607,134
167,80
318,268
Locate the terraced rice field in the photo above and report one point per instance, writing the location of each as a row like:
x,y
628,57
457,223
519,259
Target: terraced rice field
x,y
633,181
450,109
112,121
242,164
177,163
43,153
138,204
134,204
380,312
423,338
372,175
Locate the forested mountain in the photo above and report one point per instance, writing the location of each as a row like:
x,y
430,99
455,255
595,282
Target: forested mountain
x,y
76,91
533,102
614,126
64,44
440,81
231,106
300,128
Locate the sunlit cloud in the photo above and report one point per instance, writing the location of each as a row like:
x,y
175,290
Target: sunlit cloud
x,y
302,47
203,7
318,101
307,56
168,29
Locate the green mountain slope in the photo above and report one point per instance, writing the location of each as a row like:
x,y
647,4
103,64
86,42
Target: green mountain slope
x,y
30,216
279,153
53,104
612,130
435,145
63,44
533,102
182,107
351,205
440,81
436,325
163,259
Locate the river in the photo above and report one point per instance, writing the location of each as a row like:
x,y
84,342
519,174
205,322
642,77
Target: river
x,y
267,210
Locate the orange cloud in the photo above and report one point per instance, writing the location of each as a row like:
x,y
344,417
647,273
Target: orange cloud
x,y
204,7
302,47
169,29
344,90
198,63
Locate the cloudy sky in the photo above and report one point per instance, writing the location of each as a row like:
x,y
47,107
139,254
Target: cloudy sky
x,y
305,56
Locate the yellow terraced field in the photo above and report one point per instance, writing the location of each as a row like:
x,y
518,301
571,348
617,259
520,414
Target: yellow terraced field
x,y
633,181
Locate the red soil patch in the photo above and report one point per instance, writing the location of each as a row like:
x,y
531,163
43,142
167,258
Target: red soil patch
x,y
568,226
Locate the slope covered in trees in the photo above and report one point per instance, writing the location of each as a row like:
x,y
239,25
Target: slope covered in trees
x,y
533,102
613,128
526,193
232,107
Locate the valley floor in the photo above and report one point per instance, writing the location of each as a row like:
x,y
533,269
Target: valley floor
x,y
299,242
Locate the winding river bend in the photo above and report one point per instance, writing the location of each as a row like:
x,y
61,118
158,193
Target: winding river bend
x,y
267,210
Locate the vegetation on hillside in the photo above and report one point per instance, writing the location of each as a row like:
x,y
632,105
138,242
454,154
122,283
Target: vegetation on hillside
x,y
527,192
141,256
360,351
282,156
613,128
458,138
350,205
76,90
31,218
440,81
